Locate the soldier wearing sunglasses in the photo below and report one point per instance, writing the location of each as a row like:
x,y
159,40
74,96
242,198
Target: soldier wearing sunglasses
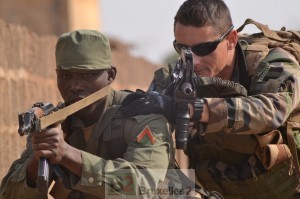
x,y
238,145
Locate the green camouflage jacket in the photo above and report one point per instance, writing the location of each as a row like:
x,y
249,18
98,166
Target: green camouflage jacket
x,y
222,154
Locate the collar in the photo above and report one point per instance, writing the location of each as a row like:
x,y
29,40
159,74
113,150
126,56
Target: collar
x,y
240,70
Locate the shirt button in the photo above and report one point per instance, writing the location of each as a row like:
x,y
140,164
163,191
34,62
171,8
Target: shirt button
x,y
91,179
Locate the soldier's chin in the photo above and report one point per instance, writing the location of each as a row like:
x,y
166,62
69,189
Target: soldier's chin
x,y
83,112
204,73
67,103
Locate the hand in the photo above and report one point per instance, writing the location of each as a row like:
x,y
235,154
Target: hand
x,y
49,144
143,103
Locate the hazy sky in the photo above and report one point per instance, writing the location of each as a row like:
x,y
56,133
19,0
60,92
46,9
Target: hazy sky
x,y
148,24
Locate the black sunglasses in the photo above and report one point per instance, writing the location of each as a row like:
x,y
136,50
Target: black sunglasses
x,y
202,49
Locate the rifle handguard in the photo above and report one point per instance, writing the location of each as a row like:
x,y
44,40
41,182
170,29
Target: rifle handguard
x,y
198,109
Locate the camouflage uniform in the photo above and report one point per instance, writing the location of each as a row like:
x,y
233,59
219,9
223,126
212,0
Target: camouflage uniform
x,y
226,152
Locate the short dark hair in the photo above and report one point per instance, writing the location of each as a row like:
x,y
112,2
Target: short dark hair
x,y
199,13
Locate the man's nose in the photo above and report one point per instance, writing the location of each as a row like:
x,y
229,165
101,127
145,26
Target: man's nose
x,y
196,60
76,85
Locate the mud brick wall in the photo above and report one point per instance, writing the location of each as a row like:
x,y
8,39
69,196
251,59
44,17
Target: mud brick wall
x,y
27,75
42,17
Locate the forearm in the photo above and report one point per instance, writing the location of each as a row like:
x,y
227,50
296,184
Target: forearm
x,y
14,184
120,175
72,160
248,115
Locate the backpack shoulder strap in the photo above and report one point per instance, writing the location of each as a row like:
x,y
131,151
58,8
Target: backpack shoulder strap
x,y
264,28
104,127
119,96
162,78
114,135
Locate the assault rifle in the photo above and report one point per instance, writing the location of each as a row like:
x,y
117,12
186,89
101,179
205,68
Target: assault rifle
x,y
184,93
29,121
41,116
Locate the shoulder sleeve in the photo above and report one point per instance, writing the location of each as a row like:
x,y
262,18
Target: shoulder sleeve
x,y
161,78
275,95
143,165
14,184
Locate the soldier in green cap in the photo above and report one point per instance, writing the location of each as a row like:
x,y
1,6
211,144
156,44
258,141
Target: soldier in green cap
x,y
96,152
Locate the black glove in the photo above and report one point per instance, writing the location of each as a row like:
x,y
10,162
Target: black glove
x,y
143,103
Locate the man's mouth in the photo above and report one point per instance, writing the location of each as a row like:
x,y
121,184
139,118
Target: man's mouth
x,y
74,99
202,72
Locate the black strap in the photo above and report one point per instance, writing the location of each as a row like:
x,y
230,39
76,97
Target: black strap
x,y
117,144
198,109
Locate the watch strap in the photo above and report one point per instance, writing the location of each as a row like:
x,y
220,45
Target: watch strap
x,y
198,109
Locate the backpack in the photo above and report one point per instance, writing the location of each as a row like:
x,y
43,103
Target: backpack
x,y
257,45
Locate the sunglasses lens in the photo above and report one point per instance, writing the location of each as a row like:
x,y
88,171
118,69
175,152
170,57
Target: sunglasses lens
x,y
202,49
205,48
178,46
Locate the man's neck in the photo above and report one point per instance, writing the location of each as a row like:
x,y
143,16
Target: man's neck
x,y
92,114
226,73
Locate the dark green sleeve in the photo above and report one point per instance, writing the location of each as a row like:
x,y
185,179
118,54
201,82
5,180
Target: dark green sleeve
x,y
14,185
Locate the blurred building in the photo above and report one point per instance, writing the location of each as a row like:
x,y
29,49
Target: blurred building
x,y
52,16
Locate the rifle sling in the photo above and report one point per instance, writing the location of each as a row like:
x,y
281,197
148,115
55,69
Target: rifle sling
x,y
62,114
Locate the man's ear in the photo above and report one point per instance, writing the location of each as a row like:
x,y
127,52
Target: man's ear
x,y
232,39
112,72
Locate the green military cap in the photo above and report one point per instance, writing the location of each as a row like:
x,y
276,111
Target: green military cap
x,y
83,50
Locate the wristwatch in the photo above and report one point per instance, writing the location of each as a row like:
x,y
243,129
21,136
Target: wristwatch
x,y
198,109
